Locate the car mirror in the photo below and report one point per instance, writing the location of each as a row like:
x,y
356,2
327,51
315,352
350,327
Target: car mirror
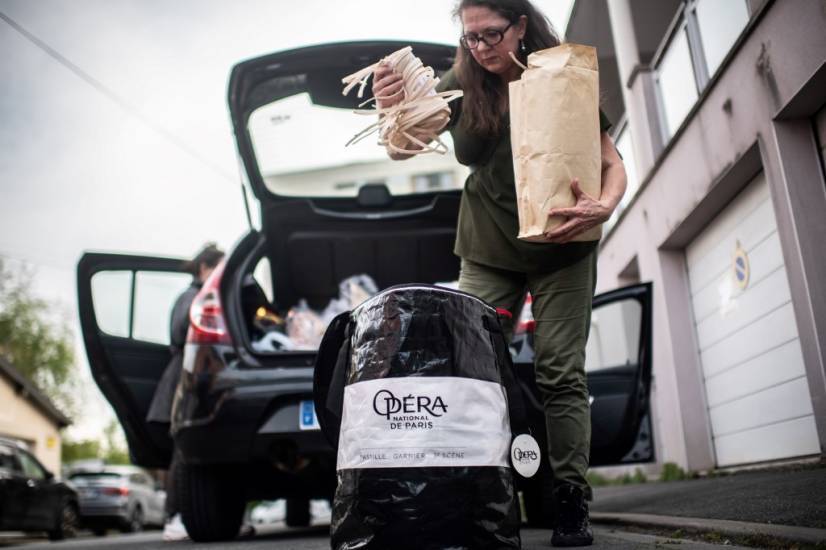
x,y
49,475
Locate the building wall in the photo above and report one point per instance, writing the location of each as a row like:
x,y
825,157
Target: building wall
x,y
21,420
733,133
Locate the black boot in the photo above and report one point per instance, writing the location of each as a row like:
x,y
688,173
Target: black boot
x,y
572,525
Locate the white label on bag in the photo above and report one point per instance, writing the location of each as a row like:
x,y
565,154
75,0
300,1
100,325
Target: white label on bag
x,y
423,422
525,455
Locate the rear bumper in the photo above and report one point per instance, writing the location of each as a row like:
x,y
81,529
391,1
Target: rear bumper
x,y
226,414
104,512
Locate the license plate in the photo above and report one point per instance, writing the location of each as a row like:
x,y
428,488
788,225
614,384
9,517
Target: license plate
x,y
307,419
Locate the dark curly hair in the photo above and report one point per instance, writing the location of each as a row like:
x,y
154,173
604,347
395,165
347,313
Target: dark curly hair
x,y
209,255
482,89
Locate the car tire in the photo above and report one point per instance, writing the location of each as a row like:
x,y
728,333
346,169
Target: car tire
x,y
66,522
298,512
211,500
134,524
99,532
538,499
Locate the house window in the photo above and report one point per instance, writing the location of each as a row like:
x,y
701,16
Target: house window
x,y
625,146
704,32
678,88
720,24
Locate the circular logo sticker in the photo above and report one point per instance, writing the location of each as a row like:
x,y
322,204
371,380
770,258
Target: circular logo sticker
x,y
741,267
525,455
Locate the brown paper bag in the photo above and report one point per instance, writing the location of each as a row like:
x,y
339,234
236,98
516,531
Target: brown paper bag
x,y
555,137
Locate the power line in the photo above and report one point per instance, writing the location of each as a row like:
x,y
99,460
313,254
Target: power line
x,y
112,96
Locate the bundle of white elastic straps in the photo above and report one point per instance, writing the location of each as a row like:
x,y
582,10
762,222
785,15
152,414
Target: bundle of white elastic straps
x,y
418,118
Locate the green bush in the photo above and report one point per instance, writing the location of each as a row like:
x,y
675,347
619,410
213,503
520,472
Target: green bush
x,y
673,472
598,480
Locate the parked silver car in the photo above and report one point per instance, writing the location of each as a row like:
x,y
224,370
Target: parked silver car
x,y
123,497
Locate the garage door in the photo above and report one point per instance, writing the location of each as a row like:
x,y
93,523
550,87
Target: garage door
x,y
756,388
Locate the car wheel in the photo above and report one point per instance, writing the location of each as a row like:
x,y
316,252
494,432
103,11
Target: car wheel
x,y
211,499
298,512
538,499
135,522
67,523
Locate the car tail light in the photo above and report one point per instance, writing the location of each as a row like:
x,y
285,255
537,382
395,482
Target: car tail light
x,y
526,322
115,491
207,324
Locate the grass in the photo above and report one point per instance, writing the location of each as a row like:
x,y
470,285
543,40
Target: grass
x,y
670,472
598,480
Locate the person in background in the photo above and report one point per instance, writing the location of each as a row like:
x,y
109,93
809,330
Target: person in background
x,y
561,273
160,410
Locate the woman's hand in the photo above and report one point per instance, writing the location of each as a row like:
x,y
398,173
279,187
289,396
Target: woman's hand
x,y
588,212
387,86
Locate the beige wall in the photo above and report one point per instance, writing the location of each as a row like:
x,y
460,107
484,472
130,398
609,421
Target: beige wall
x,y
20,419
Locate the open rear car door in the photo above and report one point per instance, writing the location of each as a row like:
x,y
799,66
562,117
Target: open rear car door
x,y
125,304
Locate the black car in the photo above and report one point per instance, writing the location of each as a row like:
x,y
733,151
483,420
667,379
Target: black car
x,y
243,419
31,499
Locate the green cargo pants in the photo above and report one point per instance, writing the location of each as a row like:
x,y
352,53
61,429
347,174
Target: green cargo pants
x,y
562,310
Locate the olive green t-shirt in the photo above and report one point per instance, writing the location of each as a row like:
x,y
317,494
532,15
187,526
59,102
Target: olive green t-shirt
x,y
488,218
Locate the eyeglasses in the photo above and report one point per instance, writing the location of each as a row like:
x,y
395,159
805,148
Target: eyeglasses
x,y
491,37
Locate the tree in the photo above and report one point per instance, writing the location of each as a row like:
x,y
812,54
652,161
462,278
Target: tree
x,y
110,449
38,347
79,450
116,452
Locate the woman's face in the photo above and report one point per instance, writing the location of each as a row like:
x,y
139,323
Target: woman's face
x,y
477,19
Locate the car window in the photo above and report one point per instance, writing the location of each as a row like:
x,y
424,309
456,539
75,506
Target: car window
x,y
144,316
300,150
614,340
31,467
155,295
9,461
139,479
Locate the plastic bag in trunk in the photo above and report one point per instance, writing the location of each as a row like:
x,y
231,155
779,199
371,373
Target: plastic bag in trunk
x,y
413,389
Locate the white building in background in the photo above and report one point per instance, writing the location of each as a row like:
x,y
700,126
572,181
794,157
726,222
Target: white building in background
x,y
428,172
719,114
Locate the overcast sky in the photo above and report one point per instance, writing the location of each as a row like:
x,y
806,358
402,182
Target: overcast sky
x,y
80,172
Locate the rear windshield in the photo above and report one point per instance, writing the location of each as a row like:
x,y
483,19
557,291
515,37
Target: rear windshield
x,y
300,150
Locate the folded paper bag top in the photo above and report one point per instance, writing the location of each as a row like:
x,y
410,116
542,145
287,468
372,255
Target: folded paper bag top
x,y
555,136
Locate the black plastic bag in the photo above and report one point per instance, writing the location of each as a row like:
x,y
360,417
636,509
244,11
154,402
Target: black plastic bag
x,y
413,389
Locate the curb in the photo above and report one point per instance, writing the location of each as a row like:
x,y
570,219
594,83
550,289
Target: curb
x,y
804,535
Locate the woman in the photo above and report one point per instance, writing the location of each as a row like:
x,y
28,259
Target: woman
x,y
560,274
200,267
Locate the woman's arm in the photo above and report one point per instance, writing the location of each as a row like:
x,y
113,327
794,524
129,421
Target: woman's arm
x,y
589,211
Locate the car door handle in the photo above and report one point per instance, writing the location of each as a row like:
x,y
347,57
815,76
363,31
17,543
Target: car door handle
x,y
30,482
590,400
